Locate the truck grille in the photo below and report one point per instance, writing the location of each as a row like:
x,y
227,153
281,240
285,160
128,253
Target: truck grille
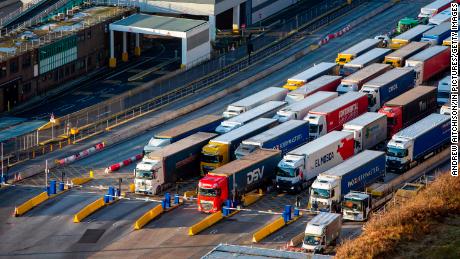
x,y
206,206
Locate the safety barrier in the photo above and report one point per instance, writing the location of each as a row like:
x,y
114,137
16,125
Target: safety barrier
x,y
268,230
28,205
251,198
80,180
148,216
88,210
117,166
205,223
80,155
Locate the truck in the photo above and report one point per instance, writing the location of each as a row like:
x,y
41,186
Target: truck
x,y
409,107
375,55
324,83
298,110
355,81
266,110
323,68
358,49
221,150
387,86
300,166
442,17
398,57
433,8
354,174
414,34
429,63
233,180
322,231
408,23
162,168
437,35
333,114
254,100
369,130
205,123
418,142
284,137
444,88
447,42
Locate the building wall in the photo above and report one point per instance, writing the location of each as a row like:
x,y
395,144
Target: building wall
x,y
261,9
20,77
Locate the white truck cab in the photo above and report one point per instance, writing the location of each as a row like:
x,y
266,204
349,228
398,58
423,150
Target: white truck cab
x,y
356,206
399,152
156,144
323,230
289,172
145,176
324,194
318,126
227,126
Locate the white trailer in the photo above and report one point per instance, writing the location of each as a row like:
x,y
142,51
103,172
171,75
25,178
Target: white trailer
x,y
355,81
323,230
266,110
323,68
433,8
369,130
300,109
245,104
444,16
300,166
325,83
375,55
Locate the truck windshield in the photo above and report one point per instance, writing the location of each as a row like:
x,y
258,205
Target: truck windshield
x,y
144,174
444,95
313,128
396,152
371,99
352,204
286,172
208,192
321,193
391,121
312,240
210,158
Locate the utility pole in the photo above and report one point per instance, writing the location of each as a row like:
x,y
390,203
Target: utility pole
x,y
2,179
46,174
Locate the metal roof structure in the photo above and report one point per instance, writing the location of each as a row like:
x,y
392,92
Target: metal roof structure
x,y
224,251
6,122
158,25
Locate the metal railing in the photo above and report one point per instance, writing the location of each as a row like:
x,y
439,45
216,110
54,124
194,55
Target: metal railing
x,y
181,83
16,13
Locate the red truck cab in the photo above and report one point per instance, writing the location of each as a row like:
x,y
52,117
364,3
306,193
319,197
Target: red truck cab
x,y
212,193
394,119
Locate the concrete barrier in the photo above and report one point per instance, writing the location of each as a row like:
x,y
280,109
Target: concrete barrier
x,y
117,166
82,154
205,223
28,205
80,180
88,210
268,230
252,197
148,216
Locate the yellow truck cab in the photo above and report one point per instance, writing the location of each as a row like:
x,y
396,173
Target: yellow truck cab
x,y
414,34
221,150
347,55
447,42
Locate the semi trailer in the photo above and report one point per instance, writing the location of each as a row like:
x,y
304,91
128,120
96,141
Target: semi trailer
x,y
398,57
369,130
375,55
355,81
437,35
325,83
429,62
414,34
298,110
356,50
323,68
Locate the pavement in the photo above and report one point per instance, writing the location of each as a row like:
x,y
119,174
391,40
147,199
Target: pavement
x,y
110,229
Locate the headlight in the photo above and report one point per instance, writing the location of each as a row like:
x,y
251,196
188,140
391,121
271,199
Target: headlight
x,y
292,188
277,186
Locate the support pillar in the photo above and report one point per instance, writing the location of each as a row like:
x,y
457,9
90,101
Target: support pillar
x,y
184,53
212,27
112,60
124,55
236,19
137,49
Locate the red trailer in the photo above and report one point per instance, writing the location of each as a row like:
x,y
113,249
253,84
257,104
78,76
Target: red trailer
x,y
429,62
333,114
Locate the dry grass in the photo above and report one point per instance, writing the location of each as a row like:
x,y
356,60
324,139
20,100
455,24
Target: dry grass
x,y
407,222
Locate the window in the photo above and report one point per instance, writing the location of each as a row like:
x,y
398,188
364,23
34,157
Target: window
x,y
26,87
2,70
26,61
72,68
88,34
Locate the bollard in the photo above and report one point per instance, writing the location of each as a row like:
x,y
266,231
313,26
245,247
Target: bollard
x,y
61,186
111,193
163,204
48,190
53,187
287,213
228,205
106,198
91,174
296,212
176,199
118,192
167,200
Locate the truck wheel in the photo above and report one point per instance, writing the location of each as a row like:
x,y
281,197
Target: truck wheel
x,y
158,190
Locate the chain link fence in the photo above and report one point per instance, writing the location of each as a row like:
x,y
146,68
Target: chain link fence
x,y
174,86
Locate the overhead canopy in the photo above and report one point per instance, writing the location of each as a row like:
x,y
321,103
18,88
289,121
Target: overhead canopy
x,y
19,130
160,25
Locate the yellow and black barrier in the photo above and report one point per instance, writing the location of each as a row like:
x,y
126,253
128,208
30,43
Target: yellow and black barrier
x,y
28,205
148,216
81,180
205,223
252,197
91,208
276,225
